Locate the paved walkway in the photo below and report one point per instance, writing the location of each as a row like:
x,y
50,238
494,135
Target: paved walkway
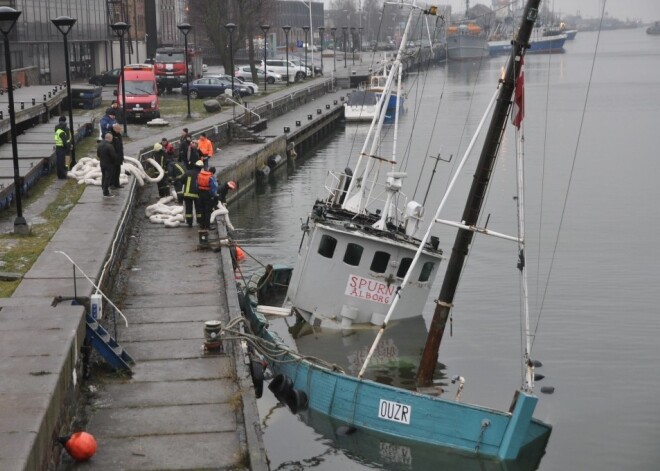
x,y
40,345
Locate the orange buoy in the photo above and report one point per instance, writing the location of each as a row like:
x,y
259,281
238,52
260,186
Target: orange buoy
x,y
80,445
240,255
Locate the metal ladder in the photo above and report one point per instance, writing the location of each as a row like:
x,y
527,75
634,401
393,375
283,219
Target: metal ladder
x,y
107,346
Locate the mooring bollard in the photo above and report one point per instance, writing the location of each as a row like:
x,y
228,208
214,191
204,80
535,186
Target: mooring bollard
x,y
212,340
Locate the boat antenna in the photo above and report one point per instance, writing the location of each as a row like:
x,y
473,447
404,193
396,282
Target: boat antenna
x,y
475,198
437,159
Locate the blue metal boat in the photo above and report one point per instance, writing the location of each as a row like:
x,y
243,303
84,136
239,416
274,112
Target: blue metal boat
x,y
540,45
422,416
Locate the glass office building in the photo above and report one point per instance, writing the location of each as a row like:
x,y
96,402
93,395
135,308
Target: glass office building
x,y
36,43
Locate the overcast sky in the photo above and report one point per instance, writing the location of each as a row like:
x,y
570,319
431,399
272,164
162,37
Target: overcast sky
x,y
645,10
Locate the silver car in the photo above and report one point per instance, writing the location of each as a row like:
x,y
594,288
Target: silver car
x,y
252,87
244,72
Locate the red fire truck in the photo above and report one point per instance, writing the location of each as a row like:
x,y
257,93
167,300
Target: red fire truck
x,y
170,66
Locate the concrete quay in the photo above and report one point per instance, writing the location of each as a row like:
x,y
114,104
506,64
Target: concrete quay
x,y
180,404
37,109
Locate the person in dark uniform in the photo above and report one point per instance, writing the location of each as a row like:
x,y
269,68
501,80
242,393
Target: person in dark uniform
x,y
105,151
224,188
62,146
207,187
118,144
161,159
190,194
176,174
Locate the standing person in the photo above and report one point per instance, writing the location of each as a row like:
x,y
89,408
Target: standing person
x,y
205,193
105,151
106,122
119,113
160,157
190,195
118,144
224,188
205,149
184,143
193,154
62,146
214,190
176,174
167,147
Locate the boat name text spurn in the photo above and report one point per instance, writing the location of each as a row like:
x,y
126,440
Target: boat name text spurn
x,y
394,411
370,290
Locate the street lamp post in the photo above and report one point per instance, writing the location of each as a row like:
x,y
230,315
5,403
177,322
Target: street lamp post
x,y
333,30
185,29
309,5
353,43
64,25
345,29
8,17
321,31
286,40
230,27
306,30
360,29
265,29
120,28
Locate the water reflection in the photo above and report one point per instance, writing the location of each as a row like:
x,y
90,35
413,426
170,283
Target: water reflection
x,y
395,359
382,452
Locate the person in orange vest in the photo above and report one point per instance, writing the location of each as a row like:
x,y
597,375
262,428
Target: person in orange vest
x,y
205,149
207,187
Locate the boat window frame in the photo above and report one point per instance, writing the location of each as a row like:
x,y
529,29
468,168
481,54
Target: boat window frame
x,y
404,264
349,254
384,264
322,250
426,272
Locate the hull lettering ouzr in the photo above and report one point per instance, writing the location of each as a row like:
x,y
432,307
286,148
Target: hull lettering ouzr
x,y
394,411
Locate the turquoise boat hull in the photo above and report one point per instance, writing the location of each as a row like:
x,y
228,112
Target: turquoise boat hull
x,y
404,414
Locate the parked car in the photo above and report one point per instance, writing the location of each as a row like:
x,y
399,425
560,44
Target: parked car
x,y
111,77
244,72
300,62
252,87
212,87
296,72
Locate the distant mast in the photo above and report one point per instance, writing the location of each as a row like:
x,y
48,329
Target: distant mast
x,y
475,199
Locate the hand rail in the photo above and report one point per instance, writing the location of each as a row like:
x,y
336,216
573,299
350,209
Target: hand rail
x,y
228,98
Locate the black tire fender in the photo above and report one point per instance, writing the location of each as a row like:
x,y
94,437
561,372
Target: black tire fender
x,y
257,373
281,385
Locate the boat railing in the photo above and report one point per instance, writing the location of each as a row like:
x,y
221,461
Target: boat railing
x,y
336,184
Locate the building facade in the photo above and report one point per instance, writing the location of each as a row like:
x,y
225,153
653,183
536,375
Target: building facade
x,y
36,44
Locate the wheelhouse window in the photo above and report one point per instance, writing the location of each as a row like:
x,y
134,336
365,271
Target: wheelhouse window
x,y
427,269
327,246
403,267
379,262
353,254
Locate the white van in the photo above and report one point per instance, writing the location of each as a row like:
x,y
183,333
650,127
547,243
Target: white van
x,y
296,72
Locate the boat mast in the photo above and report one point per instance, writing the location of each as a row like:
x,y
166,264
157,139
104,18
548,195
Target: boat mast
x,y
475,199
353,200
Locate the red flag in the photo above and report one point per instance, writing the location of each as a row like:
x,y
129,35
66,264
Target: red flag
x,y
518,112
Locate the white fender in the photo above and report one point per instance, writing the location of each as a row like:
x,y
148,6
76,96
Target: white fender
x,y
172,223
134,162
158,168
136,173
165,199
150,210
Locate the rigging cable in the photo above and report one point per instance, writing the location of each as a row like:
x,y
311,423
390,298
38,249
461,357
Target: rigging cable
x,y
570,177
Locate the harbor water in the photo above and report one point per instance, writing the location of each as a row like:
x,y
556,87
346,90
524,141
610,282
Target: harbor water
x,y
592,165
